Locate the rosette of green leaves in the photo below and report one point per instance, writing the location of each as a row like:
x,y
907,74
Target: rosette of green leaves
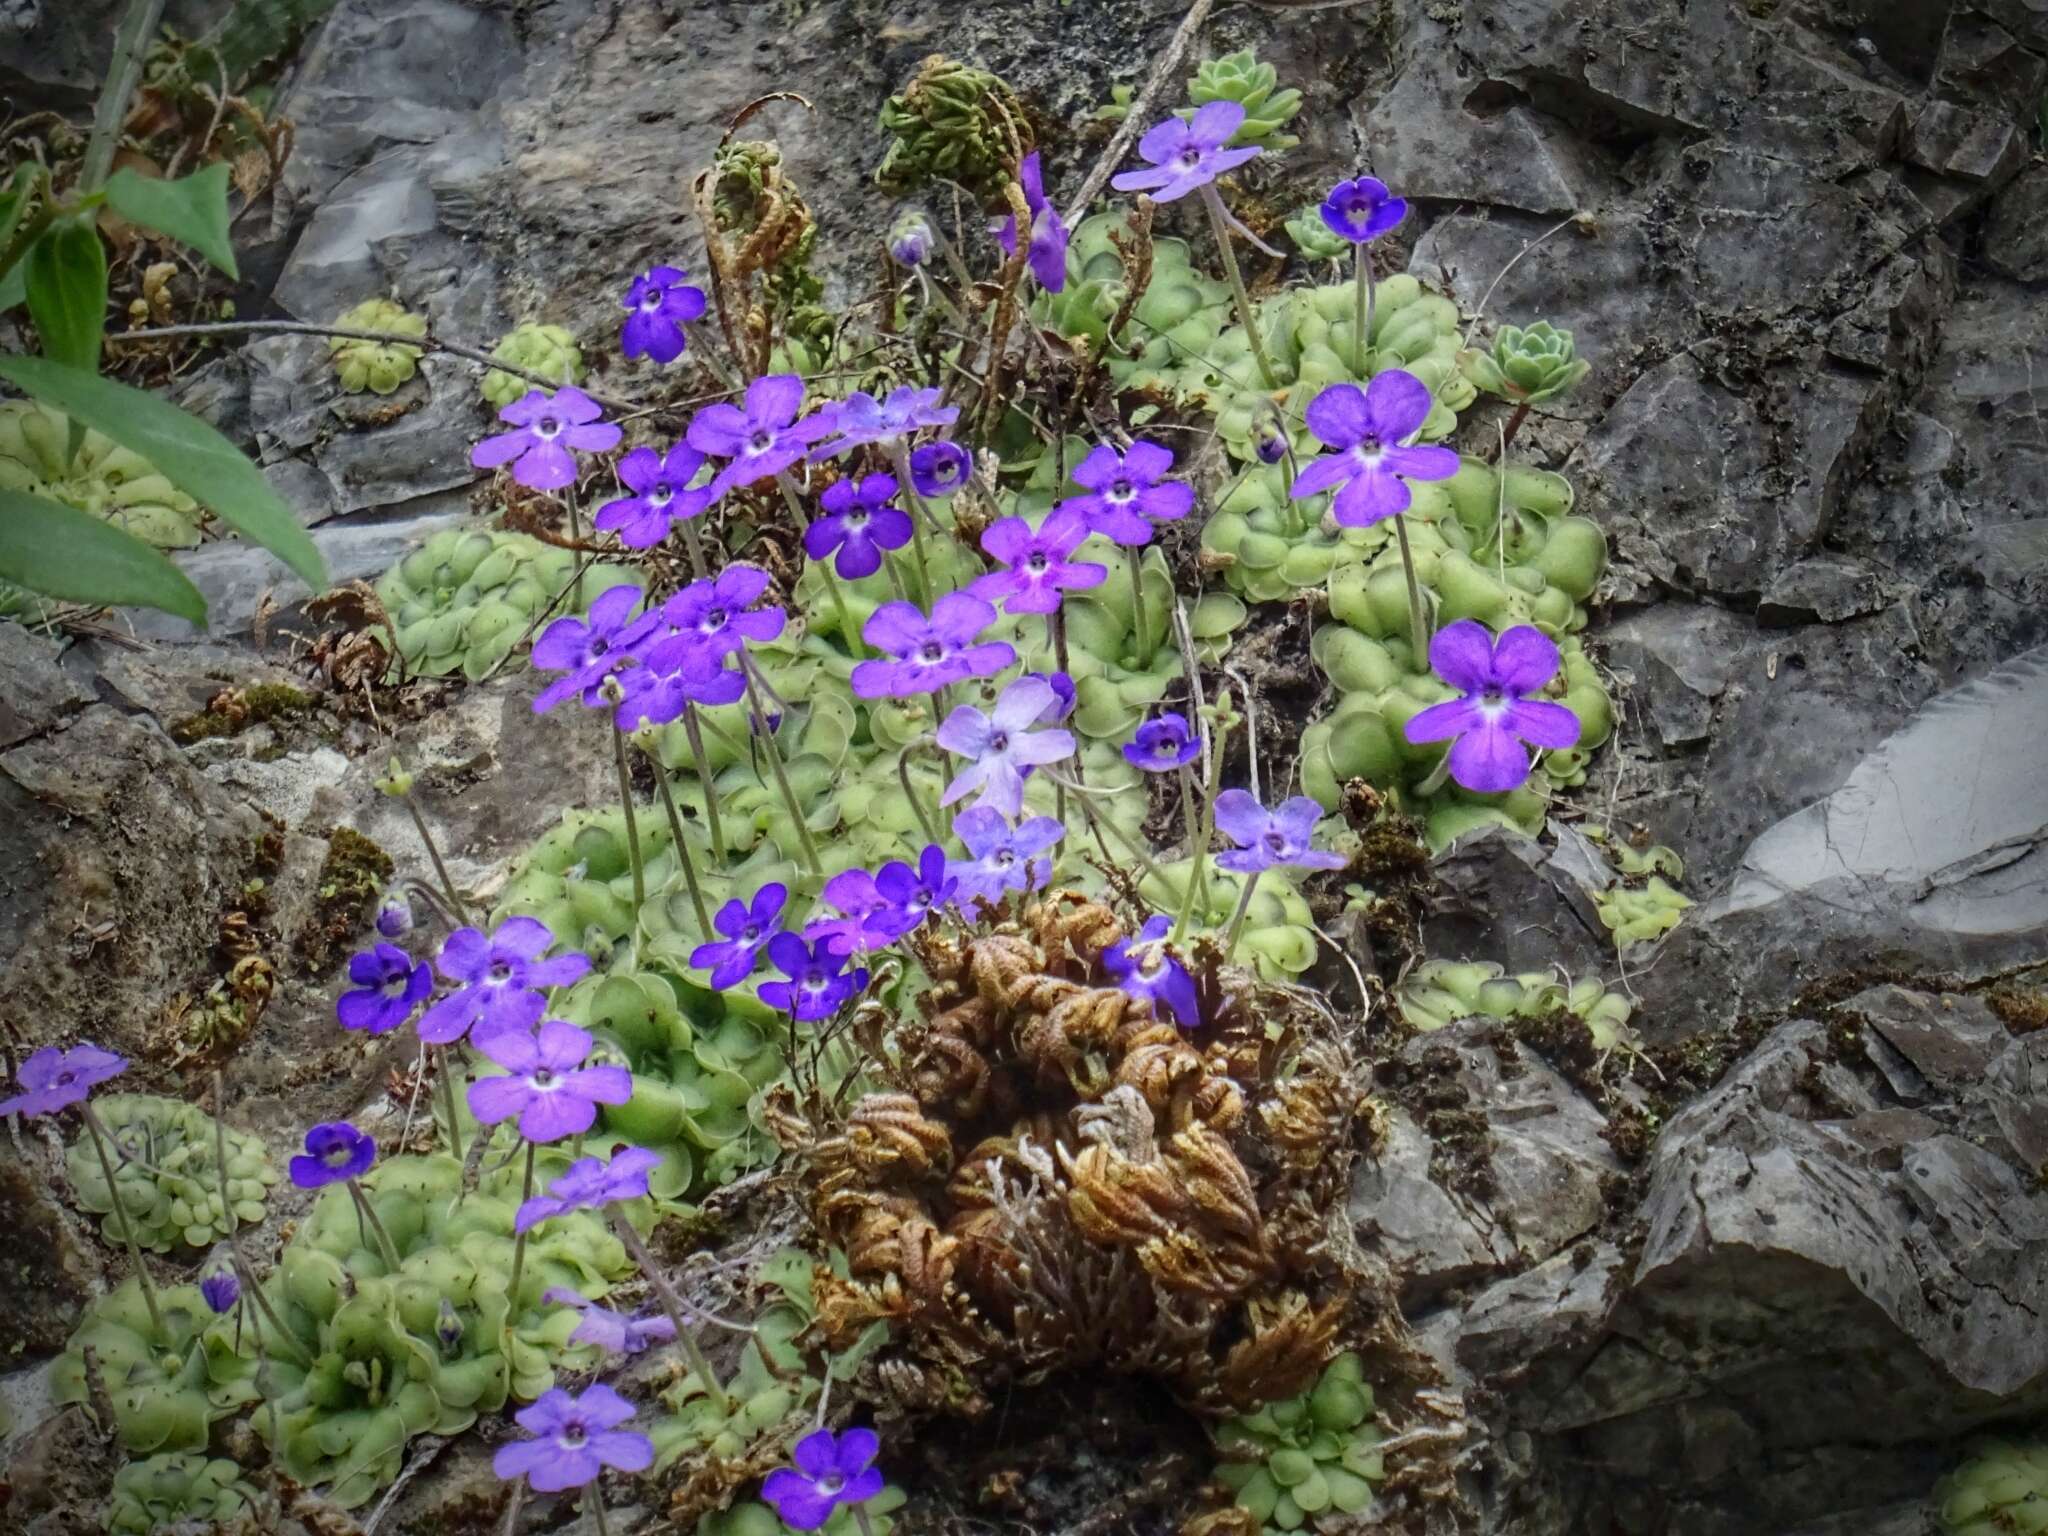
x,y
954,122
549,350
1314,238
1526,365
2002,1490
112,483
1441,992
1640,913
1255,86
180,1489
1173,326
163,1394
1310,1458
167,1173
756,1519
377,366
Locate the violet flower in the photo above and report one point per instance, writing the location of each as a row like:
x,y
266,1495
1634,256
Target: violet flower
x,y
394,914
860,418
546,430
53,1079
1496,714
658,305
939,469
929,654
860,524
1146,970
864,923
818,979
1362,210
1001,857
1187,156
762,440
1373,430
1266,838
498,979
1047,251
547,1084
220,1291
590,1183
661,497
335,1153
747,929
715,616
1127,493
831,1471
1001,748
1038,568
574,1439
616,1333
591,650
911,895
388,986
911,238
655,696
1163,744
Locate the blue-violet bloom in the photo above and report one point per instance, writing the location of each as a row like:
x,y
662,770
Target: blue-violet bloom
x,y
1047,250
939,469
335,1152
591,1183
546,1084
662,495
1039,569
1001,857
1163,744
860,524
1187,156
831,1471
1373,430
747,928
590,650
616,1333
498,979
53,1079
762,440
1362,210
220,1291
860,418
1268,838
1001,747
545,430
818,979
911,238
1497,713
394,914
928,654
388,986
574,1439
658,305
1128,493
1146,970
715,616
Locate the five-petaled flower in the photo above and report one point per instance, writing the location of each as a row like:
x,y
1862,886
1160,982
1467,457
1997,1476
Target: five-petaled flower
x,y
1497,713
1163,744
714,617
546,429
1362,210
747,928
1373,430
831,1471
1000,747
335,1152
574,1439
388,986
1001,857
929,653
860,524
762,440
590,1183
1046,250
220,1291
1268,838
912,894
1127,493
1147,970
652,695
590,650
616,1333
498,979
546,1084
1187,156
861,418
662,495
52,1079
939,469
1038,567
658,305
866,922
818,979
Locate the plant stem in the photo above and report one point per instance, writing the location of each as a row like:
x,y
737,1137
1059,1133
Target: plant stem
x,y
920,514
1514,425
591,1492
910,794
803,523
632,821
1418,615
1102,822
386,1249
1190,804
99,1145
456,905
1244,905
695,732
568,500
519,1243
672,1304
774,751
1219,221
675,827
1362,306
124,72
694,543
1138,616
1198,881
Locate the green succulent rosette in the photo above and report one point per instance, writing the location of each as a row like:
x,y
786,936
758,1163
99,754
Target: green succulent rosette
x,y
164,1395
103,479
176,1490
549,350
167,1173
1441,992
1291,1463
377,366
1255,86
1526,365
1313,237
753,1518
2001,1490
1641,914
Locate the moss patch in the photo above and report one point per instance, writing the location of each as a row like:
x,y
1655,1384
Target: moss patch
x,y
352,877
234,710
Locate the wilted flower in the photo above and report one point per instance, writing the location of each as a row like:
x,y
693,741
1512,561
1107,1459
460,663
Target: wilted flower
x,y
929,653
616,1333
831,1471
591,1183
1187,155
388,986
1047,250
51,1079
764,439
1269,838
1001,857
1373,430
1145,969
575,1438
220,1291
939,469
1000,747
1163,744
335,1153
658,305
1496,714
499,979
546,1084
860,524
1128,493
547,428
1362,210
818,979
911,238
747,928
591,650
661,495
1038,569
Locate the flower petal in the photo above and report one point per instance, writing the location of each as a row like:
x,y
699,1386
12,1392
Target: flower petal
x,y
492,1099
1441,722
1462,655
1487,760
1372,496
1542,723
1339,415
1240,817
1215,122
1524,659
551,1116
774,399
1397,403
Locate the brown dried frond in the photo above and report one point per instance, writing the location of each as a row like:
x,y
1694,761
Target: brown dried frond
x,y
1216,1183
1121,1202
1005,967
1194,1262
1234,1521
949,1073
1069,923
1090,1016
1308,1117
889,1137
786,1121
1289,1342
1158,1063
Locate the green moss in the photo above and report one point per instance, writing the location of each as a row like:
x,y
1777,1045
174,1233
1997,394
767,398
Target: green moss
x,y
352,877
237,709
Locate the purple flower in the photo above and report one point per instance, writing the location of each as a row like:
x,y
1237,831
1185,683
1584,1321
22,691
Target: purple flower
x,y
658,306
911,238
1184,156
616,1333
1127,493
1047,251
1269,442
1038,567
929,653
1163,744
1001,748
1496,714
910,896
1064,697
657,695
388,987
1146,970
764,439
335,1152
499,979
546,1086
831,1470
747,930
1267,838
590,650
860,418
547,429
661,495
590,1183
860,524
394,914
574,1439
220,1291
866,924
1373,430
51,1079
714,617
939,469
818,979
1001,857
1362,210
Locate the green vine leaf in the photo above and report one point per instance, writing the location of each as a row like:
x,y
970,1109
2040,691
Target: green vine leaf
x,y
192,210
64,553
67,291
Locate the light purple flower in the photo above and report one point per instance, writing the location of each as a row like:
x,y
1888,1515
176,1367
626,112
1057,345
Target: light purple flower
x,y
911,238
1047,251
747,928
1496,714
1001,748
762,440
388,986
1373,430
1001,857
546,1086
616,1333
860,523
1362,210
658,305
335,1153
51,1079
1038,569
498,979
1148,971
716,617
866,922
831,1471
1128,493
547,429
574,1439
939,469
220,1291
1185,156
860,418
1268,838
590,1183
818,979
929,653
662,495
1163,744
657,695
394,914
590,650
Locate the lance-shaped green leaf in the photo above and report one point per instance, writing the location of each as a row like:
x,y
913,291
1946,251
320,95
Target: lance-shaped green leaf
x,y
61,552
190,454
14,202
67,291
192,210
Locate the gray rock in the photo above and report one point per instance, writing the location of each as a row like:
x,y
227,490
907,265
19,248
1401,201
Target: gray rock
x,y
1825,588
2016,234
1523,904
1970,146
1983,63
40,693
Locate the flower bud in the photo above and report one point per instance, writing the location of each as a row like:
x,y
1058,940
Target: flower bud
x,y
221,1290
1270,443
911,238
394,914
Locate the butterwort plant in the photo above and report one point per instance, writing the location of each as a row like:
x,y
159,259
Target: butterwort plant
x,y
1361,211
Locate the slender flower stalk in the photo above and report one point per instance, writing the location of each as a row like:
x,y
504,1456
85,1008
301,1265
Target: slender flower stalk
x,y
632,820
1244,905
94,1129
672,1304
695,731
372,1223
920,515
924,822
766,735
683,856
1219,220
448,1066
1362,306
519,1239
243,1274
1418,610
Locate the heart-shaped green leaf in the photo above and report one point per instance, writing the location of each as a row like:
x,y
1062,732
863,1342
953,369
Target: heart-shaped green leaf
x,y
192,210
